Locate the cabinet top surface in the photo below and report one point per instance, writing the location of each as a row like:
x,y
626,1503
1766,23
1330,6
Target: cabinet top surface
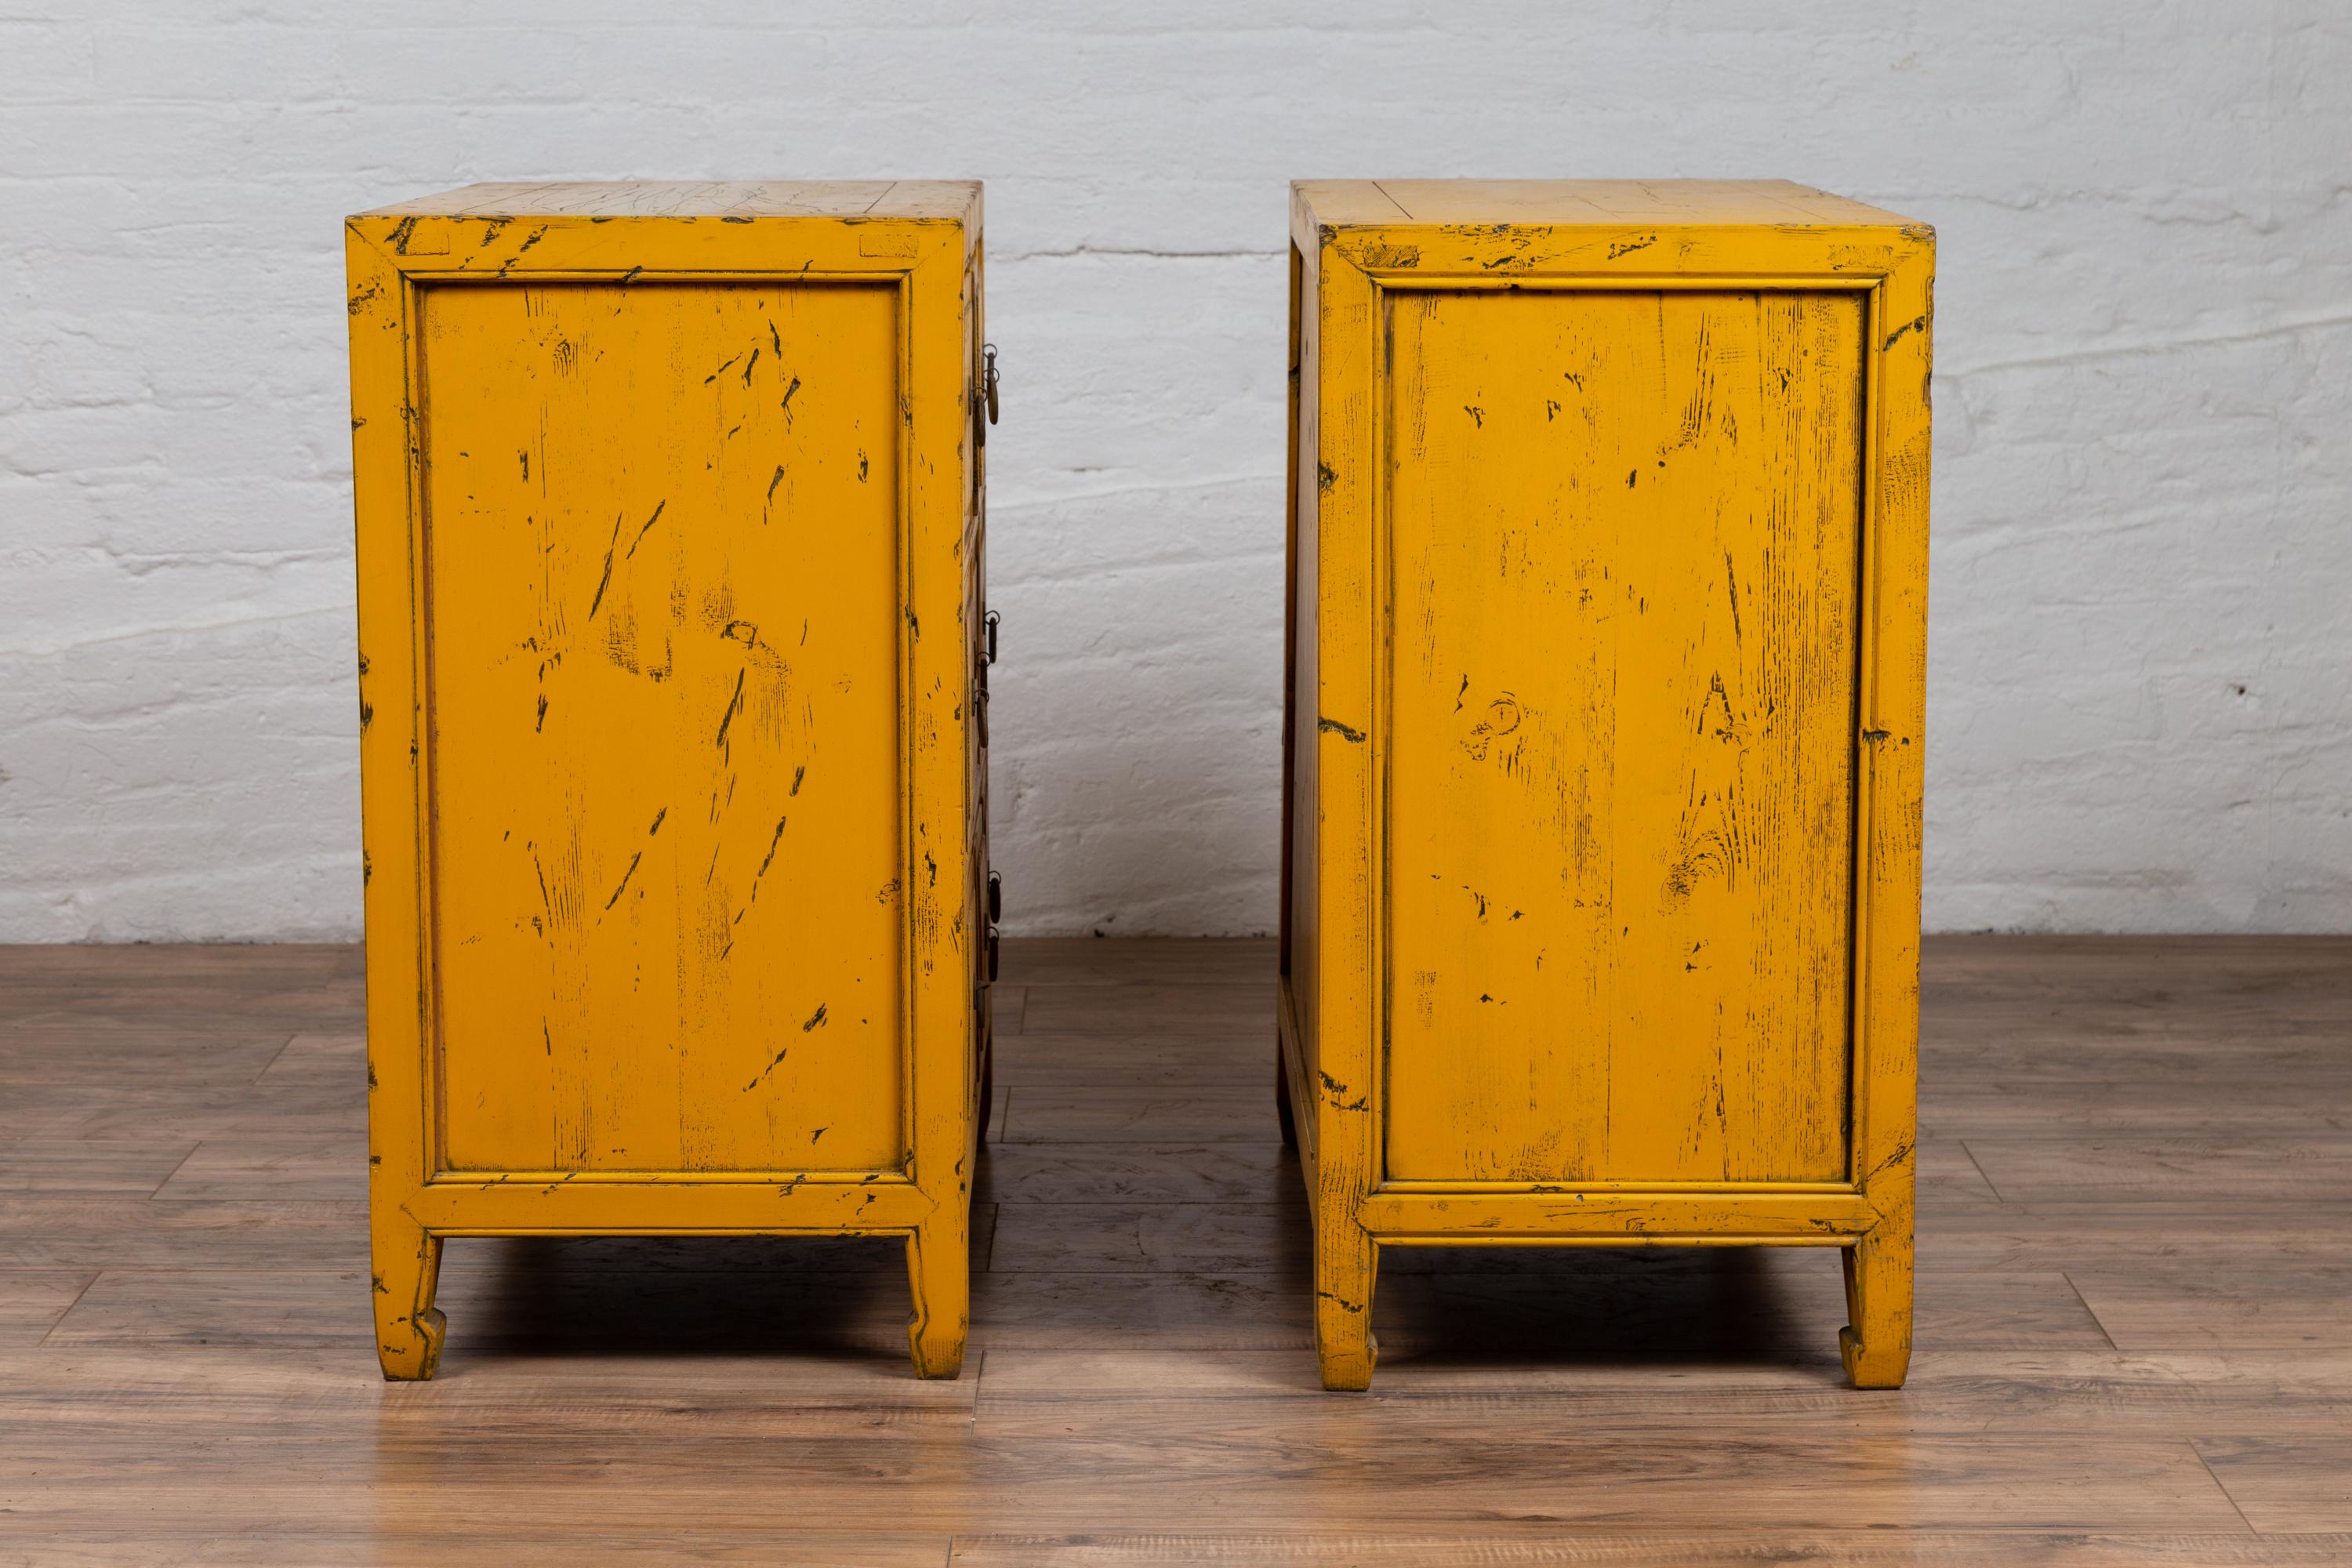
x,y
905,199
1400,202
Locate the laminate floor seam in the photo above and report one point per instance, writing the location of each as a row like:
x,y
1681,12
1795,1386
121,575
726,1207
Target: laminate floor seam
x,y
2094,1312
2222,1486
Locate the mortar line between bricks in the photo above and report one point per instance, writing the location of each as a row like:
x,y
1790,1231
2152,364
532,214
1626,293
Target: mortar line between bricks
x,y
1138,253
2162,346
129,634
1001,506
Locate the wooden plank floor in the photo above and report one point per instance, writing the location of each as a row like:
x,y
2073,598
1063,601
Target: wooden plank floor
x,y
2135,1342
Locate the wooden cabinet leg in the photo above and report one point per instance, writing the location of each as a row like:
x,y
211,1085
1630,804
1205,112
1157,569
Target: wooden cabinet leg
x,y
1347,1266
938,1266
1876,1340
408,1328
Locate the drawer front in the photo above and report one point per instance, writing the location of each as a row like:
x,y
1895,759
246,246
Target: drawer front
x,y
661,556
1622,546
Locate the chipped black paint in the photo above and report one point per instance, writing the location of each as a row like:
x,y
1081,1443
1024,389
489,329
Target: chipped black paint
x,y
640,539
624,881
1333,727
734,706
605,580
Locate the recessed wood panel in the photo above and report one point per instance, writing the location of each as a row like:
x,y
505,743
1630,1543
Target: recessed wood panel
x,y
661,564
1623,532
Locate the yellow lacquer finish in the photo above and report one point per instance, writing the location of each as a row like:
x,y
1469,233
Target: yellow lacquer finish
x,y
1602,867
670,529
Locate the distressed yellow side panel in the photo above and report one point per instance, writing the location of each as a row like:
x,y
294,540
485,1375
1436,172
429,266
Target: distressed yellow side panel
x,y
1624,531
1303,814
662,558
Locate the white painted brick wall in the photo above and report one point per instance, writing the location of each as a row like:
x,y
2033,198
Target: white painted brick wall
x,y
2141,715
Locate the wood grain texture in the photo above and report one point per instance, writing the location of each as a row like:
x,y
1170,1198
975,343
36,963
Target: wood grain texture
x,y
2287,1482
2246,1167
33,1300
317,1165
720,199
88,1169
190,1379
1583,202
2230,1303
1545,1545
1107,1114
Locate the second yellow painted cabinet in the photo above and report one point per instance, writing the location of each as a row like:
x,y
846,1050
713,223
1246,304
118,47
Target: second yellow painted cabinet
x,y
1603,760
672,663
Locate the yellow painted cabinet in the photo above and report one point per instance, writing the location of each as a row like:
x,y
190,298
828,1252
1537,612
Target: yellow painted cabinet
x,y
670,529
1602,762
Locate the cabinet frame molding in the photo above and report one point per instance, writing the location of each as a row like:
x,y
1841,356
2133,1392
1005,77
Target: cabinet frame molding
x,y
930,264
1345,273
